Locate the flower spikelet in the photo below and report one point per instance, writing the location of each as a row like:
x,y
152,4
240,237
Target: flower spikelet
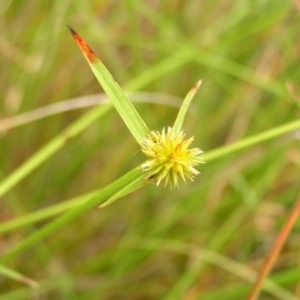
x,y
169,158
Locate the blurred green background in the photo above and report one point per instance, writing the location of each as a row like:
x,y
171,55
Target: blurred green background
x,y
197,242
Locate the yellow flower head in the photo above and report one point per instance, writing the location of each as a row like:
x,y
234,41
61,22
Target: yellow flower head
x,y
170,158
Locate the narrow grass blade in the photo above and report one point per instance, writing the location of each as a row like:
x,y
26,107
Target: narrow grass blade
x,y
53,146
252,140
185,106
125,108
93,202
45,213
59,208
12,274
133,186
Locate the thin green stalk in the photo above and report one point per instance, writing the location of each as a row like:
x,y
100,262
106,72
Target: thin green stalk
x,y
65,206
95,200
185,106
45,213
252,140
130,188
50,148
10,273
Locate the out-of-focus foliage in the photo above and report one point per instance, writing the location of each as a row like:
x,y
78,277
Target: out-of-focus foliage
x,y
148,244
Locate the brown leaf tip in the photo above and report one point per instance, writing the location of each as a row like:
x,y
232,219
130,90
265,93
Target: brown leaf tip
x,y
196,87
84,47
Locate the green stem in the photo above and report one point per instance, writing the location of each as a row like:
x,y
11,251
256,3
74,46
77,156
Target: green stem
x,y
52,147
12,274
45,213
184,107
93,202
252,140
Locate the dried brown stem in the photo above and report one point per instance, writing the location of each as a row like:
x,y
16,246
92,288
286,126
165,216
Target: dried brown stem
x,y
81,102
278,244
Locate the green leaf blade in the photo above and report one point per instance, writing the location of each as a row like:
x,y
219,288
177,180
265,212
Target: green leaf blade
x,y
123,105
14,275
185,106
125,108
118,187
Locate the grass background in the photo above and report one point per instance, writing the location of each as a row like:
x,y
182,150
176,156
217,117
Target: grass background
x,y
193,243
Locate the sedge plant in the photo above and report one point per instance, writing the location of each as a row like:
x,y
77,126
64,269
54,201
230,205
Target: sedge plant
x,y
169,157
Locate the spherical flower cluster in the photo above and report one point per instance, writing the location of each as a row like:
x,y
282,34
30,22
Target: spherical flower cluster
x,y
170,158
